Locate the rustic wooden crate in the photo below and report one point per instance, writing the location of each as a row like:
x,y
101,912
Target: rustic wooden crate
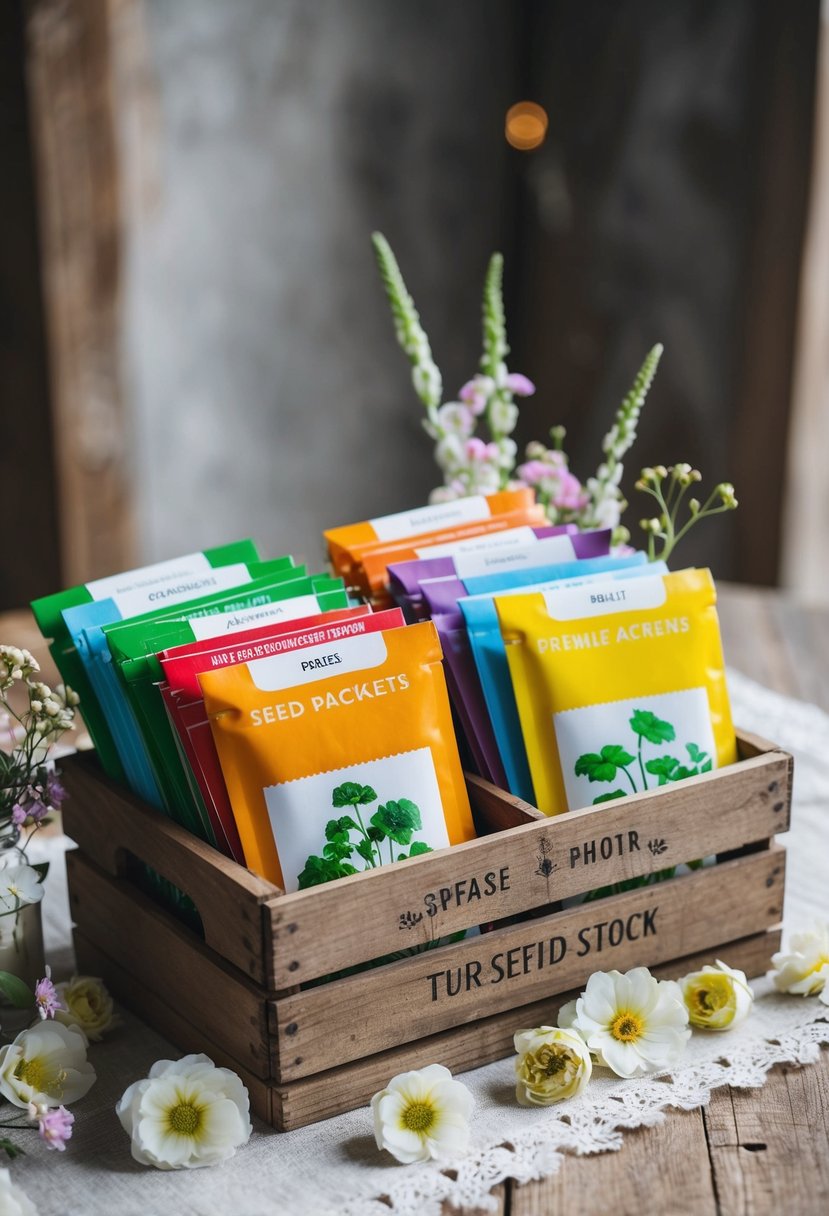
x,y
243,992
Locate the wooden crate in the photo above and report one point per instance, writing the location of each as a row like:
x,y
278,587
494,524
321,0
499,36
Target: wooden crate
x,y
243,992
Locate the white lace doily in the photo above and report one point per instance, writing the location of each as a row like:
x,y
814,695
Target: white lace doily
x,y
334,1167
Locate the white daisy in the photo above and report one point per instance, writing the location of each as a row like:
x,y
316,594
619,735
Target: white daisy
x,y
423,1114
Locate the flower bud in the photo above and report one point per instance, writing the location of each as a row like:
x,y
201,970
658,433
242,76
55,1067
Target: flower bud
x,y
716,998
552,1065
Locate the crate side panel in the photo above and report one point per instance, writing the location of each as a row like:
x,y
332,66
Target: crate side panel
x,y
342,1021
325,1094
167,1021
108,823
164,956
419,901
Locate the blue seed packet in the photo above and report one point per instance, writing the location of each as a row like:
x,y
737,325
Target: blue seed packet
x,y
487,649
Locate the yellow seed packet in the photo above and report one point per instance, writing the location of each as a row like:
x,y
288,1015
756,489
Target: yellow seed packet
x,y
620,687
340,758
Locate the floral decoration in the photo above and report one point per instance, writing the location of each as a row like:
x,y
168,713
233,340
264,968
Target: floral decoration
x,y
552,1065
423,1115
717,998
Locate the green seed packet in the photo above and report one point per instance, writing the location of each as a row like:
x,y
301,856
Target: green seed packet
x,y
115,597
134,647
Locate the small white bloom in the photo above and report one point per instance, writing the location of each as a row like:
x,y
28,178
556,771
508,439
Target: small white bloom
x,y
633,1023
502,416
423,1114
12,1200
46,1064
187,1114
804,971
19,885
717,998
552,1065
449,453
456,419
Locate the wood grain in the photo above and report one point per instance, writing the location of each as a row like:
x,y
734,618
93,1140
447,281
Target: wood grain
x,y
527,867
341,1021
464,1047
110,823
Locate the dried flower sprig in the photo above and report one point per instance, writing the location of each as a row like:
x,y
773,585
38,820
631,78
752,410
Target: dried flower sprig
x,y
668,486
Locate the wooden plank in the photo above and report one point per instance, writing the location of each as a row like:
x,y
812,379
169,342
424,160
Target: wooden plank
x,y
159,953
663,1169
770,1148
463,1047
514,965
108,822
167,1021
418,901
70,74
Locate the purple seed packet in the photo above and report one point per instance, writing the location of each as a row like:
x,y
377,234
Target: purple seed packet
x,y
512,549
562,555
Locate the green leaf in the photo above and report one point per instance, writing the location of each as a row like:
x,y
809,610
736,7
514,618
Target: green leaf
x,y
11,1150
597,767
609,797
15,990
705,768
663,767
364,848
351,793
650,727
399,820
419,847
321,869
374,833
696,753
612,753
332,829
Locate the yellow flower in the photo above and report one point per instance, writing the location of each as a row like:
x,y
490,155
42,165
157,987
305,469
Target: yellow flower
x,y
552,1065
805,970
423,1114
88,1005
716,998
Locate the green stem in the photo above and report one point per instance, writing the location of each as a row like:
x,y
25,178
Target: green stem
x,y
641,765
368,838
391,850
630,779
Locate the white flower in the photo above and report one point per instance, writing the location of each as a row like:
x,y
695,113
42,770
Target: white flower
x,y
502,416
46,1064
19,885
12,1200
633,1023
805,969
716,998
552,1065
186,1114
449,453
456,419
423,1114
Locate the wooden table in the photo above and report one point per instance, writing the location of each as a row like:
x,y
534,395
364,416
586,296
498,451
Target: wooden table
x,y
751,1151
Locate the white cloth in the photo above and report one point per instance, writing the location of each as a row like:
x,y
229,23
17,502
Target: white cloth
x,y
334,1166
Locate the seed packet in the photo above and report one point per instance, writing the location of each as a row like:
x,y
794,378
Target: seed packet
x,y
346,543
373,576
490,657
620,688
441,597
182,698
123,595
133,647
340,758
463,557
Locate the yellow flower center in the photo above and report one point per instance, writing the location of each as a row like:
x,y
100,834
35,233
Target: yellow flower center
x,y
711,1000
185,1119
626,1027
32,1072
822,960
553,1061
418,1116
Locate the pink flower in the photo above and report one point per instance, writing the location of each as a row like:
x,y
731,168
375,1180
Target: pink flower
x,y
570,494
479,452
18,815
534,471
55,1127
519,385
47,1001
476,392
54,790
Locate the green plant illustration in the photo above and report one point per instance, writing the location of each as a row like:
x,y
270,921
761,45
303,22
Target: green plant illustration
x,y
614,761
394,823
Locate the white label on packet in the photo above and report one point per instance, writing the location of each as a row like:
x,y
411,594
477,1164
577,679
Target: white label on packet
x,y
604,598
510,538
316,662
548,551
148,577
430,519
247,618
179,588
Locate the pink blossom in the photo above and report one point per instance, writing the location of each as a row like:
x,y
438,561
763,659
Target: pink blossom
x,y
475,393
520,385
55,1127
570,494
18,814
533,471
479,452
47,1001
54,790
